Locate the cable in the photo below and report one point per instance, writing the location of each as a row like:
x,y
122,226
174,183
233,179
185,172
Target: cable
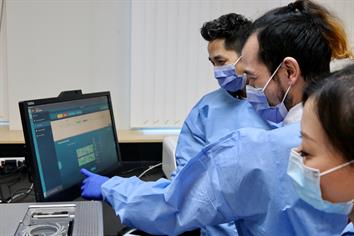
x,y
9,170
19,191
21,194
150,168
132,169
8,181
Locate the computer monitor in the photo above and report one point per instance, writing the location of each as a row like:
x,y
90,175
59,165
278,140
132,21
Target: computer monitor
x,y
63,135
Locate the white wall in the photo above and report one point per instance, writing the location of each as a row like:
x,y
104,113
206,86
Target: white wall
x,y
3,64
56,45
344,10
170,70
170,67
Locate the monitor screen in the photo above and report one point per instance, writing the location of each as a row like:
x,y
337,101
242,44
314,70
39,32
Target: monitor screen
x,y
66,134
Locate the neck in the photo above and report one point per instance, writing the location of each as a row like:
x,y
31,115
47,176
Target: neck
x,y
238,94
351,216
292,100
296,92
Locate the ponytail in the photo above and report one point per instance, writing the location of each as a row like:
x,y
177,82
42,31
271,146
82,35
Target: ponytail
x,y
305,31
332,28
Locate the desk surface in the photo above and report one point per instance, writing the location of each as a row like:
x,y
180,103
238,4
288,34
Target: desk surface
x,y
124,136
19,182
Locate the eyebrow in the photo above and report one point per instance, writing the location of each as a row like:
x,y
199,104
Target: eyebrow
x,y
217,57
248,72
303,134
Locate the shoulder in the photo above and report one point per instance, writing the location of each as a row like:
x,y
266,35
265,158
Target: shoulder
x,y
208,100
256,141
216,95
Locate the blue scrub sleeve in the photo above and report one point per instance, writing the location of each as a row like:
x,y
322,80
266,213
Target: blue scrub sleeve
x,y
349,230
240,178
192,200
191,139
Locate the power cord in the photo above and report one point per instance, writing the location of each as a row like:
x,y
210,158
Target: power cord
x,y
11,173
150,168
15,196
132,170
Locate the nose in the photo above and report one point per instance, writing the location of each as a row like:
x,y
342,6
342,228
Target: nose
x,y
250,82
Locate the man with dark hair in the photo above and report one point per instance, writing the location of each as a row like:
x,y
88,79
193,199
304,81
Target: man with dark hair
x,y
282,54
233,29
223,110
226,35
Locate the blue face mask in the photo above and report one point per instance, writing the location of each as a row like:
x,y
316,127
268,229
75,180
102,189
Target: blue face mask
x,y
307,184
274,114
228,79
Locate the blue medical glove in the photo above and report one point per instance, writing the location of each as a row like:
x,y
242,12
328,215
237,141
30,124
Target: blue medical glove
x,y
91,185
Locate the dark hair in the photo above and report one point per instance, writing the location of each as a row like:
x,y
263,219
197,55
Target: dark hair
x,y
334,99
234,28
305,31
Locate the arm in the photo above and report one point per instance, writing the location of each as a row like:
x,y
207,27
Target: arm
x,y
349,230
216,115
171,207
231,179
192,138
241,177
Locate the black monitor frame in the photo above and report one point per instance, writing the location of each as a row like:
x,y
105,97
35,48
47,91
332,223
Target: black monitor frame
x,y
74,191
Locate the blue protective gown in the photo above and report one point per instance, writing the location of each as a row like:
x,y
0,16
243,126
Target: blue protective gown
x,y
242,177
215,115
349,230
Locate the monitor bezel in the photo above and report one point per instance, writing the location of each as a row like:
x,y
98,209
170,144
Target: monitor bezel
x,y
72,192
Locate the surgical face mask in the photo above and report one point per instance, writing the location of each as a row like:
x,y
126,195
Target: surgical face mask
x,y
228,79
274,114
307,184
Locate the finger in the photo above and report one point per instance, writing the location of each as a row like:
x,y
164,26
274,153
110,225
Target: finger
x,y
84,193
86,172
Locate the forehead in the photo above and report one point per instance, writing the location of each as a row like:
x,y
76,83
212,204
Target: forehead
x,y
216,44
311,125
250,61
250,49
217,47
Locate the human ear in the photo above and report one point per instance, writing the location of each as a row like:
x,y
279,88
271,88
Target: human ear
x,y
292,70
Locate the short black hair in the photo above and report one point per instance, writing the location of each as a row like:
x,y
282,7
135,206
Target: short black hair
x,y
232,27
334,106
303,30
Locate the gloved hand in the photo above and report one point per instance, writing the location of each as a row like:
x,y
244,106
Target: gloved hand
x,y
91,185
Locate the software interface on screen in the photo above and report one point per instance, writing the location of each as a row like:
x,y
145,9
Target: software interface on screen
x,y
69,136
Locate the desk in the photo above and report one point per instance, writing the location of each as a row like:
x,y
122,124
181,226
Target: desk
x,y
11,137
124,136
135,145
111,222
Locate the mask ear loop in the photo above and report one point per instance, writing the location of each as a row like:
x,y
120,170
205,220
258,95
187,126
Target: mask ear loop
x,y
286,94
234,64
271,77
237,61
244,75
336,168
